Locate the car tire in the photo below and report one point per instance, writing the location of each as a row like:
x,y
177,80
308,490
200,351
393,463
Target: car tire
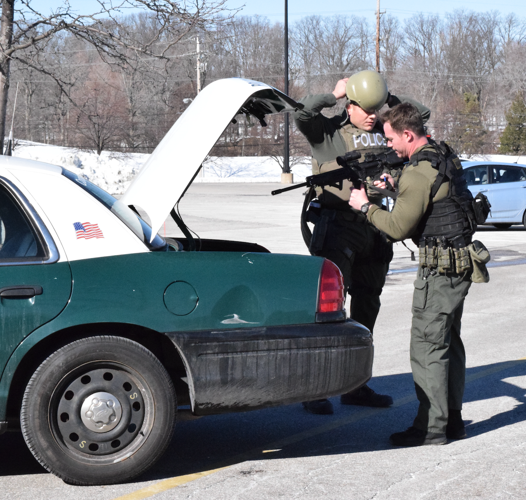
x,y
502,225
100,410
524,219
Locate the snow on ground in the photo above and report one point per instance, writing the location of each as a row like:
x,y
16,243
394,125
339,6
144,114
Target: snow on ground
x,y
113,172
250,169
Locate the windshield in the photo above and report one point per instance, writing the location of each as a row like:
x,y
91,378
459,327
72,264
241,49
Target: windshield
x,y
142,230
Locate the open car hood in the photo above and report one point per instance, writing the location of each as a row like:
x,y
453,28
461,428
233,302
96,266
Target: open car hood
x,y
175,162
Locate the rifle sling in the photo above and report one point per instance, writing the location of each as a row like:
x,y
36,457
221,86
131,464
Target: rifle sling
x,y
386,192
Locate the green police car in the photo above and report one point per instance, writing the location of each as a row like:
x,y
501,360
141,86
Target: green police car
x,y
107,328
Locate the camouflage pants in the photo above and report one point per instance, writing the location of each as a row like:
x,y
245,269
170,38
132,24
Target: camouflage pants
x,y
438,359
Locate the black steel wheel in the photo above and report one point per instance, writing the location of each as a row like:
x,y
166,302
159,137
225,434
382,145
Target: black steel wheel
x,y
100,410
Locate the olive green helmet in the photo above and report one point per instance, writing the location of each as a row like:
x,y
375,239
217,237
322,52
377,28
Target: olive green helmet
x,y
367,89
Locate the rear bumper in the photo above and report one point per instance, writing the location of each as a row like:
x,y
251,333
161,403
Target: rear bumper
x,y
248,369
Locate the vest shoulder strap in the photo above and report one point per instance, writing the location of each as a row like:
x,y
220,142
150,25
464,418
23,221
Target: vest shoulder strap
x,y
441,158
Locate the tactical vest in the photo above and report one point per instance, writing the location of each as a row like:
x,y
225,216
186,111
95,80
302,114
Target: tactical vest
x,y
355,140
451,217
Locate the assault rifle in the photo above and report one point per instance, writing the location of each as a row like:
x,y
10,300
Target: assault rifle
x,y
373,166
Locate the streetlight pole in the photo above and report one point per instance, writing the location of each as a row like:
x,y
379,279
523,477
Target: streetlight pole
x,y
286,162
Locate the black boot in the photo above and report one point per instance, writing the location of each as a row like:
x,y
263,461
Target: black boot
x,y
319,407
416,437
455,428
365,396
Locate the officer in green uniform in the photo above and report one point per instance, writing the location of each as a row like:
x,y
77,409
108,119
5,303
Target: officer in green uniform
x,y
341,233
432,209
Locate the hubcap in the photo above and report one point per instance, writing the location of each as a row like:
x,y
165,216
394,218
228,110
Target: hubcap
x,y
101,412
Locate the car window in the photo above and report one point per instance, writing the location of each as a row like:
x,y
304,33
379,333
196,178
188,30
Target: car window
x,y
477,175
502,174
142,230
18,240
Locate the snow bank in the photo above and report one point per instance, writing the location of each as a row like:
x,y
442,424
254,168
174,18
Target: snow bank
x,y
112,172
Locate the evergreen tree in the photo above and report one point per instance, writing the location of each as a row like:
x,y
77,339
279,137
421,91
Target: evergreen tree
x,y
469,135
513,139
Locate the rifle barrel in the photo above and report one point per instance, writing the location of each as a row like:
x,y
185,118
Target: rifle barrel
x,y
290,188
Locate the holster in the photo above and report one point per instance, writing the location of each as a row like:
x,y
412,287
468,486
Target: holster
x,y
320,219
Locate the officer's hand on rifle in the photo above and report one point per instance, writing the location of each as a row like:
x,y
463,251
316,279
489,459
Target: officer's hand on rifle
x,y
386,182
358,198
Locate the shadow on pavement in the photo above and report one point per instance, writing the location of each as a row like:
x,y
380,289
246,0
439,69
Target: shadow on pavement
x,y
496,386
288,431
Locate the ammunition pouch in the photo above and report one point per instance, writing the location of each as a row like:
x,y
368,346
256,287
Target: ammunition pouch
x,y
480,257
462,260
444,256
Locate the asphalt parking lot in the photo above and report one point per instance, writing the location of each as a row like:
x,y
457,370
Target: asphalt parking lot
x,y
285,452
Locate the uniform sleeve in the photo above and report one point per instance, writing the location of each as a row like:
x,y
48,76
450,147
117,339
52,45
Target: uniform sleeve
x,y
309,120
423,110
411,205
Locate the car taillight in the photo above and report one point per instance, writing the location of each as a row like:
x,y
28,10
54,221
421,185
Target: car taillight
x,y
331,296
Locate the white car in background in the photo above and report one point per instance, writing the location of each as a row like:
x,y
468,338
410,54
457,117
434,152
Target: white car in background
x,y
505,186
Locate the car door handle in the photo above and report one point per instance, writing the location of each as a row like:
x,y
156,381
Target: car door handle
x,y
20,291
483,191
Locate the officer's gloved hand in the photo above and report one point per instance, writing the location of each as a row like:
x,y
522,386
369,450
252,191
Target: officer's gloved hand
x,y
373,195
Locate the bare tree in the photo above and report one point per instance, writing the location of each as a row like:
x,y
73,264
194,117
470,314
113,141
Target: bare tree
x,y
335,47
512,30
391,40
100,113
23,27
435,59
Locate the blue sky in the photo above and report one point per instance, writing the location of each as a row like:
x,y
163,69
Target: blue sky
x,y
274,9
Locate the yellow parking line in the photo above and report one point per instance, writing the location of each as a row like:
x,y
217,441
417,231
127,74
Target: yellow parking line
x,y
167,484
278,445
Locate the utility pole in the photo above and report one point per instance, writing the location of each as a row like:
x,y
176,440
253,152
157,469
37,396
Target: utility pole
x,y
199,66
378,13
286,159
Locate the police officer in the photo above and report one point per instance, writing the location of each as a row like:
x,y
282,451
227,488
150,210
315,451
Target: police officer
x,y
343,234
433,208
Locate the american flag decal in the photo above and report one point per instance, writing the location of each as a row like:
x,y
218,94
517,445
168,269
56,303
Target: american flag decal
x,y
87,230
